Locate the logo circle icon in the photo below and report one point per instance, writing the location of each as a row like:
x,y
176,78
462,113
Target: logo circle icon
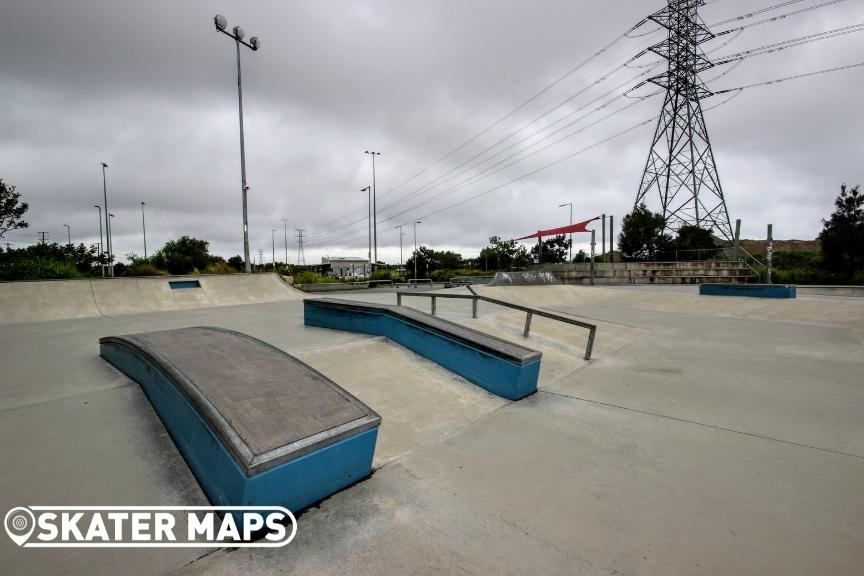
x,y
19,523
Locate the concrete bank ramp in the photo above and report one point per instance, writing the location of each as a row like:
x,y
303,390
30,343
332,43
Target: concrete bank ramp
x,y
22,302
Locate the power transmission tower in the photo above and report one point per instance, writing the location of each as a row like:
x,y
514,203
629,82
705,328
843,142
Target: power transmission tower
x,y
681,170
301,258
260,257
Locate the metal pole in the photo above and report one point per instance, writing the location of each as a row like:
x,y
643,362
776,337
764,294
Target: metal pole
x,y
603,241
415,253
107,222
612,239
369,222
68,234
571,233
737,239
374,209
285,225
770,251
244,186
101,252
273,238
144,227
593,244
400,244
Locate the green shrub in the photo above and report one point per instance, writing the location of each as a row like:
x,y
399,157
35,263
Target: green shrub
x,y
220,267
144,268
45,268
309,277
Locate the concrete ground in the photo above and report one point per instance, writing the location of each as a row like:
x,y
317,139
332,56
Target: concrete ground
x,y
707,436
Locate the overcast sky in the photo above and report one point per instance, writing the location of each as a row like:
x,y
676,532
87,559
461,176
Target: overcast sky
x,y
150,89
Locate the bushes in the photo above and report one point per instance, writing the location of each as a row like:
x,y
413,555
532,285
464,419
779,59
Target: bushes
x,y
220,267
309,277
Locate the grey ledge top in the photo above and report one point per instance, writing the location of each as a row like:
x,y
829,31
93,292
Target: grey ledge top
x,y
473,338
265,405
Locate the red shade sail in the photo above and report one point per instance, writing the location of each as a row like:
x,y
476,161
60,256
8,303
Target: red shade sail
x,y
580,227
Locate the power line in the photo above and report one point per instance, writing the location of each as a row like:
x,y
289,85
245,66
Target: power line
x,y
788,78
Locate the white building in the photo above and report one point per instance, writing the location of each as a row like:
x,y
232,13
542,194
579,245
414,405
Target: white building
x,y
347,267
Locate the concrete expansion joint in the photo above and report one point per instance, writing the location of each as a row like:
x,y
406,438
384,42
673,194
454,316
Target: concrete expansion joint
x,y
704,425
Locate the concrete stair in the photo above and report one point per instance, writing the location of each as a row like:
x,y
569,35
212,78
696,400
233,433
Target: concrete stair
x,y
696,272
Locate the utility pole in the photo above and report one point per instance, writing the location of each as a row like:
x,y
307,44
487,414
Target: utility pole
x,y
415,253
680,169
570,204
285,230
144,228
612,239
301,257
42,237
400,245
101,252
374,204
593,246
273,238
107,222
369,220
603,240
68,234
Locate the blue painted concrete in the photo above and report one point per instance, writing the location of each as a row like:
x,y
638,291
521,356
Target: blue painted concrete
x,y
493,373
295,484
182,284
749,290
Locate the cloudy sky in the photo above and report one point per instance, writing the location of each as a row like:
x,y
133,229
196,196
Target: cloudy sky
x,y
455,94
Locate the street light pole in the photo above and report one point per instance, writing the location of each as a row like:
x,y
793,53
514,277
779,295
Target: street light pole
x,y
111,243
415,252
400,244
68,234
254,44
101,253
369,220
571,224
107,222
374,203
144,228
273,237
285,225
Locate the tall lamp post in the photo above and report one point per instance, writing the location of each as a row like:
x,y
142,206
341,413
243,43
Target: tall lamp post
x,y
144,228
400,245
369,190
111,243
254,43
68,234
101,253
273,238
285,226
415,252
107,222
570,204
374,204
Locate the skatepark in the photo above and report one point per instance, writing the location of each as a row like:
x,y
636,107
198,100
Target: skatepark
x,y
705,435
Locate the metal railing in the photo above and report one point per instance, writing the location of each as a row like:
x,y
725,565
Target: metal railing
x,y
530,312
469,280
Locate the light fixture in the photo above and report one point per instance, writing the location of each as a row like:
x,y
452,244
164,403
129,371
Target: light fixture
x,y
221,21
239,33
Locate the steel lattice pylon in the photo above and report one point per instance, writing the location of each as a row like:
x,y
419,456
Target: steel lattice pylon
x,y
681,170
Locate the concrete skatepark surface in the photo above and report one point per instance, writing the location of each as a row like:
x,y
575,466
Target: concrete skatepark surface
x,y
707,436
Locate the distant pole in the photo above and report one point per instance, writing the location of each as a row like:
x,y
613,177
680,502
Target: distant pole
x,y
369,221
68,234
770,251
593,245
144,229
101,253
107,222
111,256
570,204
400,245
415,253
374,204
737,239
285,226
612,239
603,241
273,238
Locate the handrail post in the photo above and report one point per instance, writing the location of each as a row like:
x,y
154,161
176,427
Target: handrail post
x,y
590,347
528,324
433,305
474,307
398,298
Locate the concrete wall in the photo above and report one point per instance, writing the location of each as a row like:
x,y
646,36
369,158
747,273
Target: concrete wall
x,y
64,299
714,271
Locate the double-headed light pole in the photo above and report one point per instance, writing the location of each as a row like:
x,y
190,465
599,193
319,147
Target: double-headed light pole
x,y
374,204
254,44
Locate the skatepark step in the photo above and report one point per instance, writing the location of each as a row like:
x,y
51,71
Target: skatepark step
x,y
255,425
503,368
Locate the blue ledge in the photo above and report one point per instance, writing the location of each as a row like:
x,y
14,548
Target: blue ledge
x,y
500,367
749,290
229,449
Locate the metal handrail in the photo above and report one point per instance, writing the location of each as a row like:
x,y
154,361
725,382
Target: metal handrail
x,y
530,312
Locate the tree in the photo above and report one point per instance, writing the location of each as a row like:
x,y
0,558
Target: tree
x,y
692,237
236,262
555,250
504,254
642,234
183,256
425,258
12,210
842,234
